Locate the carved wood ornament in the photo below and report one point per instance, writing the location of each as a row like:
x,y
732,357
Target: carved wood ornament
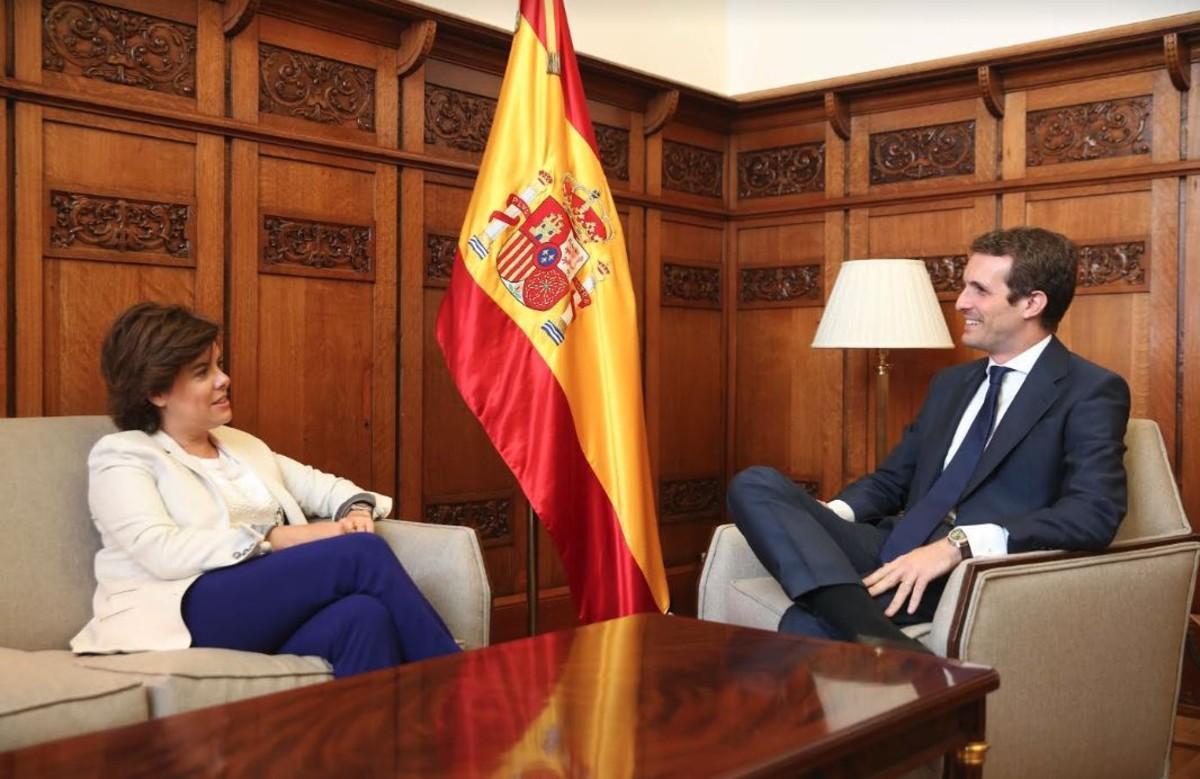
x,y
784,170
691,285
456,119
489,517
659,111
1089,131
119,224
991,89
797,285
305,86
923,152
692,169
439,259
683,497
118,46
946,273
317,246
613,143
837,113
415,44
1177,57
236,15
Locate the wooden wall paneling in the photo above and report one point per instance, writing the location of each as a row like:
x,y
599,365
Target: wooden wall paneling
x,y
939,233
459,106
109,214
412,258
783,408
1189,384
616,140
210,57
1188,399
1110,323
857,413
691,361
1106,123
244,73
122,66
210,227
385,327
243,280
781,167
6,242
27,258
320,83
917,149
462,476
693,166
325,263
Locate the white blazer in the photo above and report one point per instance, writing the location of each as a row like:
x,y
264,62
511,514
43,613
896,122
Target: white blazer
x,y
163,522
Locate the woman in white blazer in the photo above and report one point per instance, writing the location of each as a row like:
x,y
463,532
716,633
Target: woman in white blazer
x,y
205,534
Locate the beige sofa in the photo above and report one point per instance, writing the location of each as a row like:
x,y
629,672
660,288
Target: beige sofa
x,y
1089,646
46,559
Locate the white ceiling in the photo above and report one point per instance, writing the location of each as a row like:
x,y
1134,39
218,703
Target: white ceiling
x,y
737,46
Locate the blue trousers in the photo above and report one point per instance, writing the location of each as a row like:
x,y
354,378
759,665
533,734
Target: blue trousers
x,y
804,545
346,599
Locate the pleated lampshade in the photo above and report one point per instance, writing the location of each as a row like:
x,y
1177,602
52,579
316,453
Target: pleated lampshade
x,y
883,304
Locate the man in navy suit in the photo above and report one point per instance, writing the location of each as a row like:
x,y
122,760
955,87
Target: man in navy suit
x,y
1019,451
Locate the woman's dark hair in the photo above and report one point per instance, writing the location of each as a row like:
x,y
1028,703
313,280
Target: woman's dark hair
x,y
143,352
1041,259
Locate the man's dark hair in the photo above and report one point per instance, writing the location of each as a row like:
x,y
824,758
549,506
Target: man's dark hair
x,y
143,352
1041,259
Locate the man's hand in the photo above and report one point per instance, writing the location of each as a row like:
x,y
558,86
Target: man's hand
x,y
911,573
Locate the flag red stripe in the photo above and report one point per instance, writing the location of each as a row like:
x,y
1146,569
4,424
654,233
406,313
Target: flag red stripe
x,y
576,108
529,421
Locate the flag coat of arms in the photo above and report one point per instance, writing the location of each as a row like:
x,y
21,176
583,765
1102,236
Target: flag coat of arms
x,y
539,327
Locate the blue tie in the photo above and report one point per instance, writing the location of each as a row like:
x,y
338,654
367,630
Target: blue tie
x,y
915,527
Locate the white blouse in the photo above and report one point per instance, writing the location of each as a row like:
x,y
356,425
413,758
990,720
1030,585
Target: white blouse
x,y
244,494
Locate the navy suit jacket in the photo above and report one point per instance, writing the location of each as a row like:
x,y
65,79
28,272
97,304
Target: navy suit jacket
x,y
1053,474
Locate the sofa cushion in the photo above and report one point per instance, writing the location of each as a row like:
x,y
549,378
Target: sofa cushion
x,y
184,679
45,695
760,603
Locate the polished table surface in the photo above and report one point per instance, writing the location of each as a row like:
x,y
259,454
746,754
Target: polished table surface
x,y
648,695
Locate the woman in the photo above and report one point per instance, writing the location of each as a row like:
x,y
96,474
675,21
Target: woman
x,y
204,530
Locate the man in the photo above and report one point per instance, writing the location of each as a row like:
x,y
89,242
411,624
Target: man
x,y
1019,451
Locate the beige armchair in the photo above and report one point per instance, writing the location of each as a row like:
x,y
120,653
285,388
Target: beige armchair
x,y
1089,646
46,556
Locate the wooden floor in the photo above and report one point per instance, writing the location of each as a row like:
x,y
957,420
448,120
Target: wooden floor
x,y
1185,752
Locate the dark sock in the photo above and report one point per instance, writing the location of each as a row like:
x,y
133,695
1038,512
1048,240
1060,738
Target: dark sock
x,y
851,611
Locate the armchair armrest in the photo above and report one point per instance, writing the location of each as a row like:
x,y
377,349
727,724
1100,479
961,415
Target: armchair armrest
x,y
1088,647
729,557
446,564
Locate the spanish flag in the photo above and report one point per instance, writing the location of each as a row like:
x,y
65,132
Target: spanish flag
x,y
539,328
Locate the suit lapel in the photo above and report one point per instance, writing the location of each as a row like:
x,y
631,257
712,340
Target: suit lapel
x,y
1037,394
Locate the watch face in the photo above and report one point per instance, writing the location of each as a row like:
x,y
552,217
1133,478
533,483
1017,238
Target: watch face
x,y
957,536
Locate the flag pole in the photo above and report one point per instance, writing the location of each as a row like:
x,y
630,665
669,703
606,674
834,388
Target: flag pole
x,y
531,569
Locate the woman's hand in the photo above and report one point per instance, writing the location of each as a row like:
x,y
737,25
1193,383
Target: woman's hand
x,y
283,536
358,521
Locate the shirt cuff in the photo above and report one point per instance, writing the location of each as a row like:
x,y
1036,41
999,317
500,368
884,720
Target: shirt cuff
x,y
843,510
986,540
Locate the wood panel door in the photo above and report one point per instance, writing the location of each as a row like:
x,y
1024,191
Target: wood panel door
x,y
312,313
108,213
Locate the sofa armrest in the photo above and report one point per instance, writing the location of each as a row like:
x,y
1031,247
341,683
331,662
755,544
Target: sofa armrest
x,y
1097,636
446,563
729,557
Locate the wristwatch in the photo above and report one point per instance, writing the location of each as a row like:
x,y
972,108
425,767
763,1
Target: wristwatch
x,y
958,539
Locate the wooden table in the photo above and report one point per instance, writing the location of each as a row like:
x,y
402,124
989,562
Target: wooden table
x,y
640,696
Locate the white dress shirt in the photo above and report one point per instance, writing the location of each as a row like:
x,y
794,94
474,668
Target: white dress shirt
x,y
986,540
